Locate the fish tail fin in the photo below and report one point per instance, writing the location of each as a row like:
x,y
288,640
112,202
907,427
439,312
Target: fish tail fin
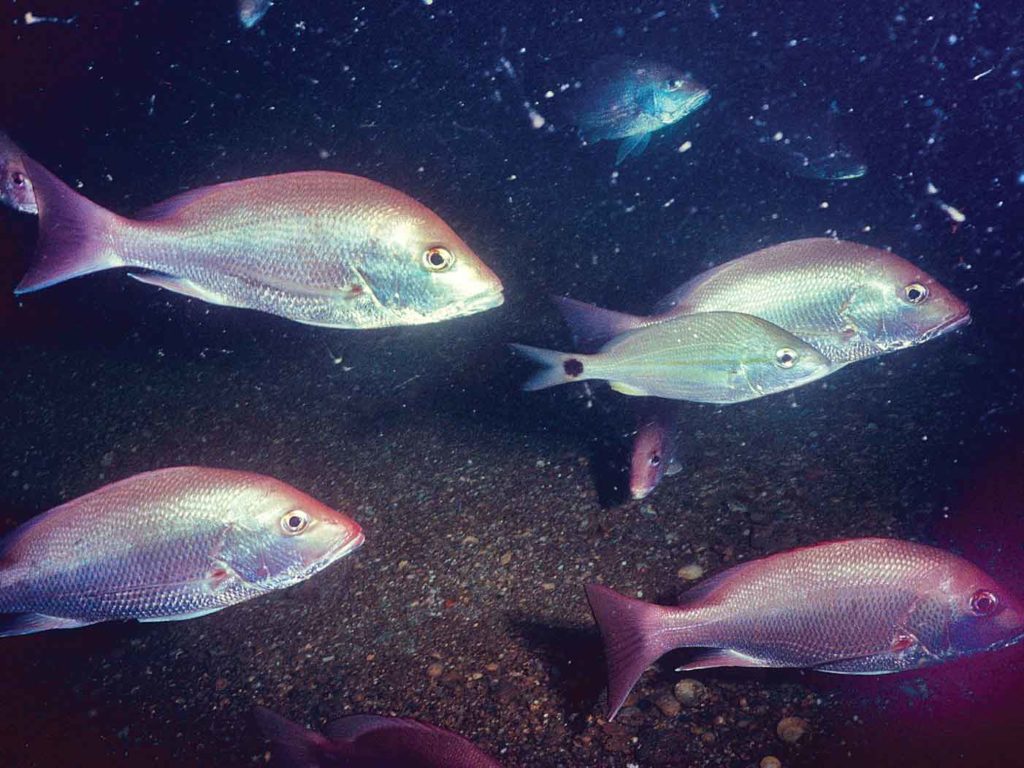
x,y
560,368
74,233
633,639
292,744
592,326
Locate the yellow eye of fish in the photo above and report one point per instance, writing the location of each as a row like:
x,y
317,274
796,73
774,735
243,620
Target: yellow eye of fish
x,y
294,522
438,259
915,293
785,358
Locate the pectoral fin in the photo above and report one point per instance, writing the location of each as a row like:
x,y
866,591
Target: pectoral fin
x,y
674,468
182,286
634,145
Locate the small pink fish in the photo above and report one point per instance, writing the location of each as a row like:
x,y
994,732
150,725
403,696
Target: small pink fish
x,y
859,607
654,448
368,741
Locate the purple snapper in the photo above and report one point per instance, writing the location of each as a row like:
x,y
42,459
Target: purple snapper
x,y
856,607
165,545
654,448
15,185
368,741
320,248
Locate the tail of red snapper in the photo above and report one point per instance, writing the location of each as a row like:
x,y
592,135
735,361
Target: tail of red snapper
x,y
634,638
592,326
76,236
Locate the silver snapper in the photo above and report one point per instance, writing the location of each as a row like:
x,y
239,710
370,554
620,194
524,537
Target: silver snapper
x,y
623,98
850,301
328,249
165,545
711,357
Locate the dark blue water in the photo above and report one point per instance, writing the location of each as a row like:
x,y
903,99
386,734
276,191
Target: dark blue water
x,y
424,430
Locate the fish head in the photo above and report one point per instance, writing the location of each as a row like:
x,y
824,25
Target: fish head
x,y
897,305
429,274
281,536
652,454
15,186
782,361
673,94
983,614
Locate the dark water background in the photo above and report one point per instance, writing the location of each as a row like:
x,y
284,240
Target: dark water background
x,y
423,433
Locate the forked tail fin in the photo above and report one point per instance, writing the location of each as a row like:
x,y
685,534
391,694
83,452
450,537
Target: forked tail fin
x,y
76,236
634,638
559,367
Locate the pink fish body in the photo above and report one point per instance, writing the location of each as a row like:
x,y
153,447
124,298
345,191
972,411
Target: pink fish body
x,y
860,606
368,741
654,449
327,249
165,545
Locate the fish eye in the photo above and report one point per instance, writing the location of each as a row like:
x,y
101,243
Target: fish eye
x,y
785,358
18,178
294,522
984,603
438,259
655,460
915,292
674,83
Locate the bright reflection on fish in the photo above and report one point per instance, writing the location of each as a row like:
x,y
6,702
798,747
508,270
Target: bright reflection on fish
x,y
712,357
859,607
16,189
328,249
165,545
850,301
623,98
251,12
368,741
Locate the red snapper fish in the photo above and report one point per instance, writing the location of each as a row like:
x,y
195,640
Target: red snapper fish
x,y
163,546
847,300
858,607
368,741
327,249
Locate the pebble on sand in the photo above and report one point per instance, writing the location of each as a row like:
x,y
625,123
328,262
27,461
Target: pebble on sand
x,y
668,705
690,572
770,761
689,691
791,729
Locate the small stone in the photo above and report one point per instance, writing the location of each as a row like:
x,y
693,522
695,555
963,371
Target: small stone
x,y
689,691
792,729
668,705
547,586
770,761
434,671
220,684
690,572
506,558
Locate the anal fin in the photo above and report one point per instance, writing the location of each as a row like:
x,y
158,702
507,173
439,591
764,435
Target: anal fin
x,y
182,286
721,657
13,624
627,389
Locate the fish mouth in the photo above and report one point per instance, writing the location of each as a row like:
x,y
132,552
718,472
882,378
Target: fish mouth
x,y
481,302
951,323
347,546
